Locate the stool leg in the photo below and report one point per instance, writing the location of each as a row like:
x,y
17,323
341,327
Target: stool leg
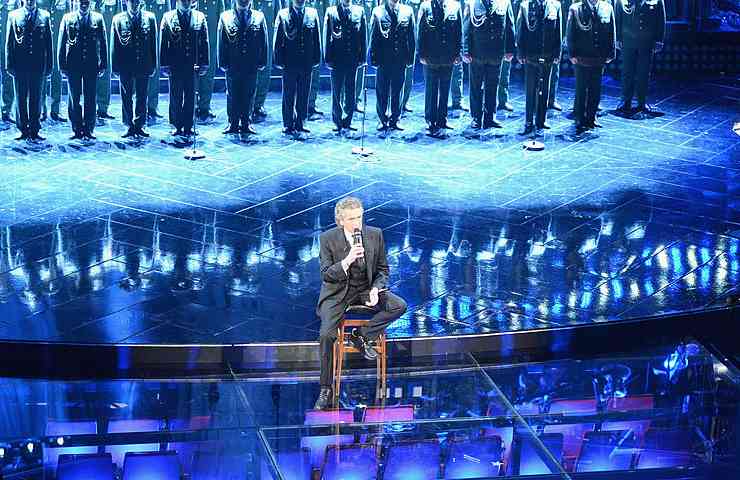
x,y
339,358
384,367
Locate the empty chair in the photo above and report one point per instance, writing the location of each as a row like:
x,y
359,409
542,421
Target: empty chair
x,y
475,458
132,426
401,413
186,450
413,460
529,459
607,451
666,448
292,464
329,417
318,444
350,462
61,428
572,432
98,466
151,466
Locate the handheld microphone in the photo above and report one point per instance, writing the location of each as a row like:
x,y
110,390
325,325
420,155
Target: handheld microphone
x,y
357,240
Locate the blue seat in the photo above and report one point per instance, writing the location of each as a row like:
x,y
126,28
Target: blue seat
x,y
416,460
132,426
607,451
63,428
350,462
151,466
475,458
98,466
666,448
527,458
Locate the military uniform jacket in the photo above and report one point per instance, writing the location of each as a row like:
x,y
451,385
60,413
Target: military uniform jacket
x,y
133,44
82,45
590,33
488,30
392,37
440,39
539,33
182,47
297,39
28,46
345,36
242,47
640,23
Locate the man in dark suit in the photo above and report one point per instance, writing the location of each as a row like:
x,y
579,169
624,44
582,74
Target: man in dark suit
x,y
133,43
351,274
392,49
83,57
184,52
109,9
29,58
297,50
242,53
345,49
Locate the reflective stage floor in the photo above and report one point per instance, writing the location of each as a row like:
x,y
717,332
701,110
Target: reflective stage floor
x,y
669,412
126,242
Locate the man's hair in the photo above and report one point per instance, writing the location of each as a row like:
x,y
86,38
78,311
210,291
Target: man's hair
x,y
347,203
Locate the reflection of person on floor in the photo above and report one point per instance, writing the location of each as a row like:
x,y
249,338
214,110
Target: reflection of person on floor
x,y
354,270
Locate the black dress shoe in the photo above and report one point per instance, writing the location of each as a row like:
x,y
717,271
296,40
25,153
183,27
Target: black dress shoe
x,y
105,115
458,106
313,111
302,129
248,130
58,118
381,127
77,136
361,344
407,109
259,112
35,137
624,109
154,114
444,126
324,400
177,132
187,132
89,136
475,125
131,132
555,106
528,128
43,118
22,136
209,115
492,123
350,128
337,129
231,129
6,118
546,126
288,131
359,108
647,109
506,106
396,126
140,132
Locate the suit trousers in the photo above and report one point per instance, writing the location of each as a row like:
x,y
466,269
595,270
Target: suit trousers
x,y
408,86
554,83
130,86
104,90
240,92
436,93
28,99
388,85
537,88
503,82
296,87
82,85
588,93
484,78
182,99
343,101
390,307
636,73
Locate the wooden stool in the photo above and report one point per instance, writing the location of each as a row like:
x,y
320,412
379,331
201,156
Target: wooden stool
x,y
343,345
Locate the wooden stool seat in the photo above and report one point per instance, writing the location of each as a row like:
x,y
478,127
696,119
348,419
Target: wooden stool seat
x,y
343,345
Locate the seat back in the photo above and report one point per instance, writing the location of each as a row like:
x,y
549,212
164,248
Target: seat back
x,y
98,466
528,458
151,465
62,428
475,458
607,451
413,460
358,462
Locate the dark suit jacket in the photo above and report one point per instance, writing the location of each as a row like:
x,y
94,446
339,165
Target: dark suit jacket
x,y
334,247
181,47
35,53
82,47
134,47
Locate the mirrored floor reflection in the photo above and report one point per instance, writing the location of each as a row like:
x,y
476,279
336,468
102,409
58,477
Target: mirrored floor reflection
x,y
672,412
127,242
